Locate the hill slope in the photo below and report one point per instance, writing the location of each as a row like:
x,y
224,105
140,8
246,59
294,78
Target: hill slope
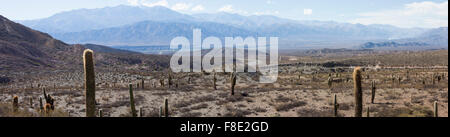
x,y
22,49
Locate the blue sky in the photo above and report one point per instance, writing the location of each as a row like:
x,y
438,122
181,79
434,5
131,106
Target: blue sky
x,y
402,13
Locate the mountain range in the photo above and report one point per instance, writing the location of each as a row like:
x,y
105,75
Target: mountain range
x,y
147,26
433,38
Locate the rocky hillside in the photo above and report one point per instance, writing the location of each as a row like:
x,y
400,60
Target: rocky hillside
x,y
22,48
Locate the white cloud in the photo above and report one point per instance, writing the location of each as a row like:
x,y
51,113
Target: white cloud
x,y
163,3
198,8
418,14
307,11
229,9
133,2
181,6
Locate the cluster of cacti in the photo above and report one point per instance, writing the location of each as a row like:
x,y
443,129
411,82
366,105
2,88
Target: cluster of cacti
x,y
358,92
89,82
373,88
49,100
233,82
133,108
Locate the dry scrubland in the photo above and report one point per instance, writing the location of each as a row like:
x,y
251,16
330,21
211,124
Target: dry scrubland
x,y
407,85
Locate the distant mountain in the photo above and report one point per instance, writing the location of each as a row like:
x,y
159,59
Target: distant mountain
x,y
22,48
434,38
89,19
150,33
134,26
105,49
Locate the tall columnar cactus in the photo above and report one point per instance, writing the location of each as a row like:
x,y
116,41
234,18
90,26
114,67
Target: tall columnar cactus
x,y
100,112
358,92
142,83
436,111
170,80
31,102
368,112
433,79
336,106
215,80
166,107
15,104
89,82
161,82
233,82
141,112
330,82
41,105
373,88
161,113
133,108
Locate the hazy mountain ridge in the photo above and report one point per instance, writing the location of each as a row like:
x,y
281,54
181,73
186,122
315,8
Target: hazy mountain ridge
x,y
434,38
134,26
89,19
150,33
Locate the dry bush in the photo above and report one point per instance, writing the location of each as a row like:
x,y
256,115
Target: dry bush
x,y
290,105
417,111
191,114
308,112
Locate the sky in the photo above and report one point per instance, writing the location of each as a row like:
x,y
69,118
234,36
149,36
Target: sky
x,y
401,13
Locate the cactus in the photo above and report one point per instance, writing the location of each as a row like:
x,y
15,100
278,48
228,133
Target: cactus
x,y
170,80
358,92
368,112
41,106
89,82
133,108
142,83
31,102
141,112
161,82
233,82
166,107
336,105
373,88
100,113
161,111
435,104
215,80
433,79
15,104
330,82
